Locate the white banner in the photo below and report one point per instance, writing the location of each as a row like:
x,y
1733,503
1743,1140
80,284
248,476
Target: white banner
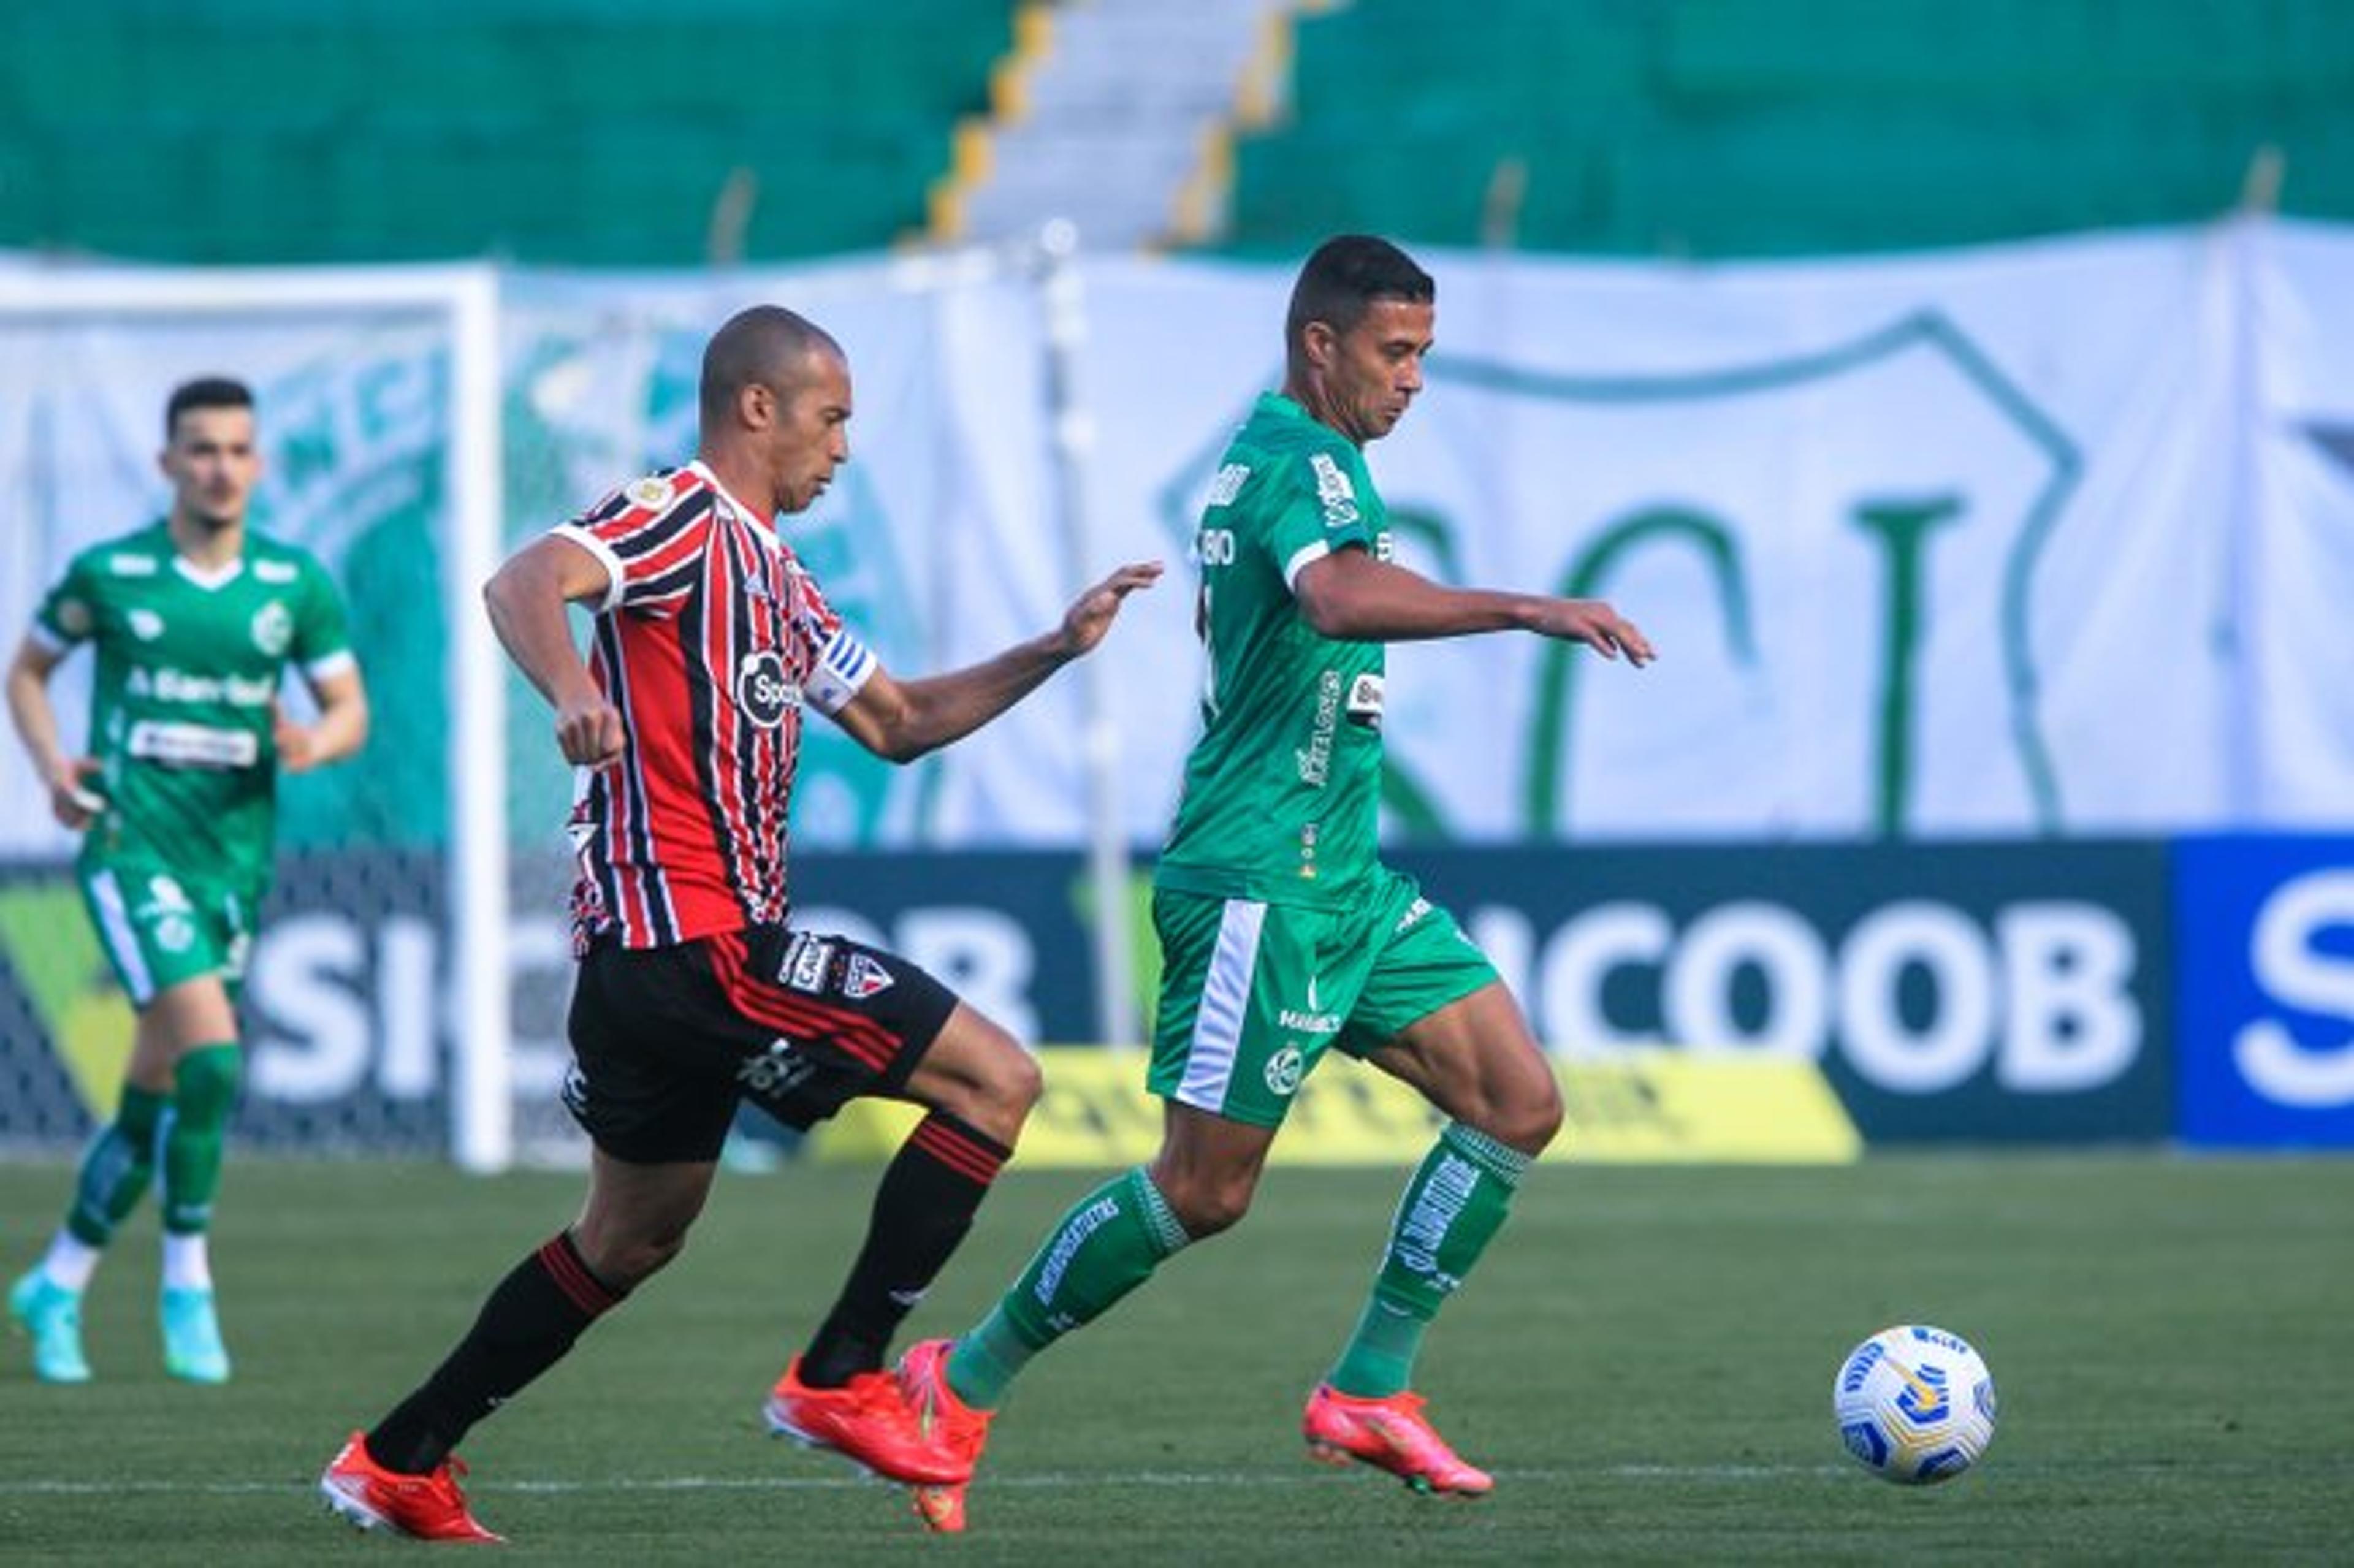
x,y
2049,539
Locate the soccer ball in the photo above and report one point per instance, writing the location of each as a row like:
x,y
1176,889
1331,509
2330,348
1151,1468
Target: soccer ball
x,y
1914,1404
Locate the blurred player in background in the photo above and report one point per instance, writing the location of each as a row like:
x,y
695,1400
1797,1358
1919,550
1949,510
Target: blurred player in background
x,y
195,621
1282,934
694,993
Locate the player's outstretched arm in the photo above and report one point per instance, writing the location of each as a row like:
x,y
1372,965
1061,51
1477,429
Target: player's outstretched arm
x,y
1350,595
525,598
902,720
72,800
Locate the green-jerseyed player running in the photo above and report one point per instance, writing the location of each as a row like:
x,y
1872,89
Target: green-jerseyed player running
x,y
194,621
1283,936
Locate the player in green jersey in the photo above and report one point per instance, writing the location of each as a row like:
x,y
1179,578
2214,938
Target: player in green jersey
x,y
194,621
1283,936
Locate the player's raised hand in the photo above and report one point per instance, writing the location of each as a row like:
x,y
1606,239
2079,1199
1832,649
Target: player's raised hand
x,y
588,731
1092,613
72,799
1593,623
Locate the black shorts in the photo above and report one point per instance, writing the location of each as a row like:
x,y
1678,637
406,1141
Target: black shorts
x,y
665,1040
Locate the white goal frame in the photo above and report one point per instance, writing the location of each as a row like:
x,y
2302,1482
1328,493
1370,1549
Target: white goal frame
x,y
466,297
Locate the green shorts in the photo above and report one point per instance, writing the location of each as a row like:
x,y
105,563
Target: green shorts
x,y
1252,995
159,928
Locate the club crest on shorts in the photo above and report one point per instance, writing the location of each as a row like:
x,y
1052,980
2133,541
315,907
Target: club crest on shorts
x,y
863,977
1284,1071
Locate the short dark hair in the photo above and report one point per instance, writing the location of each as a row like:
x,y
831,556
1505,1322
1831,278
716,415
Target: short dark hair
x,y
1340,282
204,392
762,345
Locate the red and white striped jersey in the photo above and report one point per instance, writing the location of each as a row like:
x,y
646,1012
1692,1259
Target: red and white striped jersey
x,y
710,638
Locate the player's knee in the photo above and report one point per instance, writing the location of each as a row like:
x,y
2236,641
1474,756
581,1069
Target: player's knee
x,y
1530,1121
1205,1207
994,1083
1018,1080
204,1086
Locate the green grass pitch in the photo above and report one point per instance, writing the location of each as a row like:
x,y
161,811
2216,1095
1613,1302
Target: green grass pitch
x,y
1645,1360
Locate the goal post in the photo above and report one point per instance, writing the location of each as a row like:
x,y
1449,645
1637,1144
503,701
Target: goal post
x,y
463,301
407,989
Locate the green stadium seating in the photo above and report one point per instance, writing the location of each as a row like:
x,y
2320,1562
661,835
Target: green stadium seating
x,y
1714,128
579,133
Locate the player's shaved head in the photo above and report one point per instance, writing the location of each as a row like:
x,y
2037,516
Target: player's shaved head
x,y
766,345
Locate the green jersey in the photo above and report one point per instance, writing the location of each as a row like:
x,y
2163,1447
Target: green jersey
x,y
1282,799
189,663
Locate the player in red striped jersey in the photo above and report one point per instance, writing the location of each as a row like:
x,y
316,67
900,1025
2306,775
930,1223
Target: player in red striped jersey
x,y
693,993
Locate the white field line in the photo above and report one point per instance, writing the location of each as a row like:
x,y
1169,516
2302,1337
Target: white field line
x,y
1223,1481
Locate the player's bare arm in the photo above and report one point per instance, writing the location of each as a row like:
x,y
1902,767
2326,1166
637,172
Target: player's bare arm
x,y
339,731
74,799
902,720
1350,595
525,598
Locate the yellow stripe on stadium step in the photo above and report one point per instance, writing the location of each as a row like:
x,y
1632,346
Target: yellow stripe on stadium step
x,y
1655,1107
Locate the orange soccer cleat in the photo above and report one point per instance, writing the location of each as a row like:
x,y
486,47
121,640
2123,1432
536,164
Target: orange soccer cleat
x,y
867,1421
1389,1433
947,1421
424,1508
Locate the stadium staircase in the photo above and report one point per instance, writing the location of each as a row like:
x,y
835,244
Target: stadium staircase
x,y
1116,115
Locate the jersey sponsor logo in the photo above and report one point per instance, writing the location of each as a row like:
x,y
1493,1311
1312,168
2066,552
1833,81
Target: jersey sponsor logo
x,y
806,963
863,978
1412,916
1334,491
193,745
273,628
1365,701
166,685
764,690
273,571
145,623
777,1070
1314,1021
124,564
1228,484
73,618
1315,759
1214,547
1383,549
1285,1070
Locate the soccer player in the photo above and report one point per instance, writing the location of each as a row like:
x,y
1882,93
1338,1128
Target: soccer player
x,y
1283,936
195,621
693,993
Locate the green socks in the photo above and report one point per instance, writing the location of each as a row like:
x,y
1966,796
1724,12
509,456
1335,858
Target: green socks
x,y
1105,1247
1452,1207
194,1132
116,1169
